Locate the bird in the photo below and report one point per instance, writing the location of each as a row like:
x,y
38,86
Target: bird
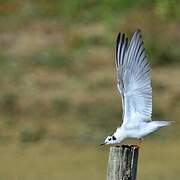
x,y
134,86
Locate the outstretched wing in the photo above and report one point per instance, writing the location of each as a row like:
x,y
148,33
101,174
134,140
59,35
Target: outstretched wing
x,y
133,78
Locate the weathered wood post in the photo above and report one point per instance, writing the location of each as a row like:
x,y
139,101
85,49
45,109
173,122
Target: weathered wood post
x,y
122,163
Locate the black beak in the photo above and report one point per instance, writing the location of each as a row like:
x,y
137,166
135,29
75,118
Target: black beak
x,y
102,144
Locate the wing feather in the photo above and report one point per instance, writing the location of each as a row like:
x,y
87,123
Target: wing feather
x,y
133,78
121,48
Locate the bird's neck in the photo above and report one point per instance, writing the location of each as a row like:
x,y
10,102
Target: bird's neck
x,y
119,134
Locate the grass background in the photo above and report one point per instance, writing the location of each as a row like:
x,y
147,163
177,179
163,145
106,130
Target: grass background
x,y
58,97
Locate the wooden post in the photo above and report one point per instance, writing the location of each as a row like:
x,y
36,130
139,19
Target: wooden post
x,y
122,163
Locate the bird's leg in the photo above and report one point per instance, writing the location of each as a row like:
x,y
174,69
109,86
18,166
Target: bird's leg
x,y
140,141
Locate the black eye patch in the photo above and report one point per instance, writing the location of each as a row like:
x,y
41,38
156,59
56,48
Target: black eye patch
x,y
109,139
113,137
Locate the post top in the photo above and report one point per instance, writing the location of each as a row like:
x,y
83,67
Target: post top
x,y
128,146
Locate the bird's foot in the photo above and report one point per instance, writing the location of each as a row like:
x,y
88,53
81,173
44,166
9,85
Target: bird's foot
x,y
136,146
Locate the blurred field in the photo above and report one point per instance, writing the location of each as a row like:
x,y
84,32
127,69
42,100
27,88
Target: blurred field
x,y
56,161
58,97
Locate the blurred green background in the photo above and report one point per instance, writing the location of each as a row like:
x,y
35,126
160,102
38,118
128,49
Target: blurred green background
x,y
58,96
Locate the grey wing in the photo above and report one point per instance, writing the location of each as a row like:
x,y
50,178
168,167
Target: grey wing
x,y
133,78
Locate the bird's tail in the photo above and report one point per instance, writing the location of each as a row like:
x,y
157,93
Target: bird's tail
x,y
163,123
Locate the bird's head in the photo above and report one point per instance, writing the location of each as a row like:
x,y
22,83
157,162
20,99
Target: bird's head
x,y
110,140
